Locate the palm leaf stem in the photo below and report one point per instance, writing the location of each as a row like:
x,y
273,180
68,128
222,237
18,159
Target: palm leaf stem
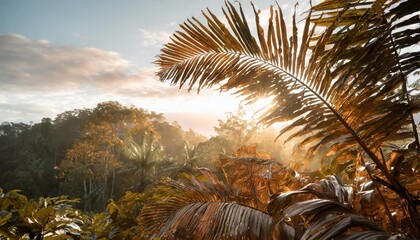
x,y
413,123
382,156
412,203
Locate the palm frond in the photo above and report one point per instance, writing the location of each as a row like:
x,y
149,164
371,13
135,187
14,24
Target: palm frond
x,y
327,101
326,219
201,207
329,188
215,220
374,44
330,215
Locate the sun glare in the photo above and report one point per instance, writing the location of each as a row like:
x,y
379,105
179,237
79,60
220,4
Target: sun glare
x,y
256,109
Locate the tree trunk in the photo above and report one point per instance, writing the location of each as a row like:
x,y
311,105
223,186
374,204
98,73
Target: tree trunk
x,y
113,183
85,195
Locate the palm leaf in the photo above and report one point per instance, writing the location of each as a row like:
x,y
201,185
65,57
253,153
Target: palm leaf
x,y
326,219
329,188
202,207
372,235
215,220
329,216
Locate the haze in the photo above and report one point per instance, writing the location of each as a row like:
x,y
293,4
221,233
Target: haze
x,y
65,55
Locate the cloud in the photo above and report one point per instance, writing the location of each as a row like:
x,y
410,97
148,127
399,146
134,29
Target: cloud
x,y
36,66
154,38
12,112
39,79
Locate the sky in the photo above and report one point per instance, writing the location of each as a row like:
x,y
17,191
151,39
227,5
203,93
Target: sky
x,y
63,55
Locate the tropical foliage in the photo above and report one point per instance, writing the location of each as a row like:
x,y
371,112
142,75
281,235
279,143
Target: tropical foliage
x,y
92,154
323,94
55,218
342,86
21,218
203,207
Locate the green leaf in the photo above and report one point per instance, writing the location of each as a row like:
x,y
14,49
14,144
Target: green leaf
x,y
5,217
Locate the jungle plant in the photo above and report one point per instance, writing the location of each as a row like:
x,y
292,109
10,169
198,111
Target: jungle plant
x,y
55,218
119,221
343,87
203,207
325,210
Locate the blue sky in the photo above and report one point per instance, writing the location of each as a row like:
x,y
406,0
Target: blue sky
x,y
62,55
121,26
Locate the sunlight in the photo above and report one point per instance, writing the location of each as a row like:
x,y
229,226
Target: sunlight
x,y
256,109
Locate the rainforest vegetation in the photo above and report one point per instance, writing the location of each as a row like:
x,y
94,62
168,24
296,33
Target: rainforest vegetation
x,y
342,85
